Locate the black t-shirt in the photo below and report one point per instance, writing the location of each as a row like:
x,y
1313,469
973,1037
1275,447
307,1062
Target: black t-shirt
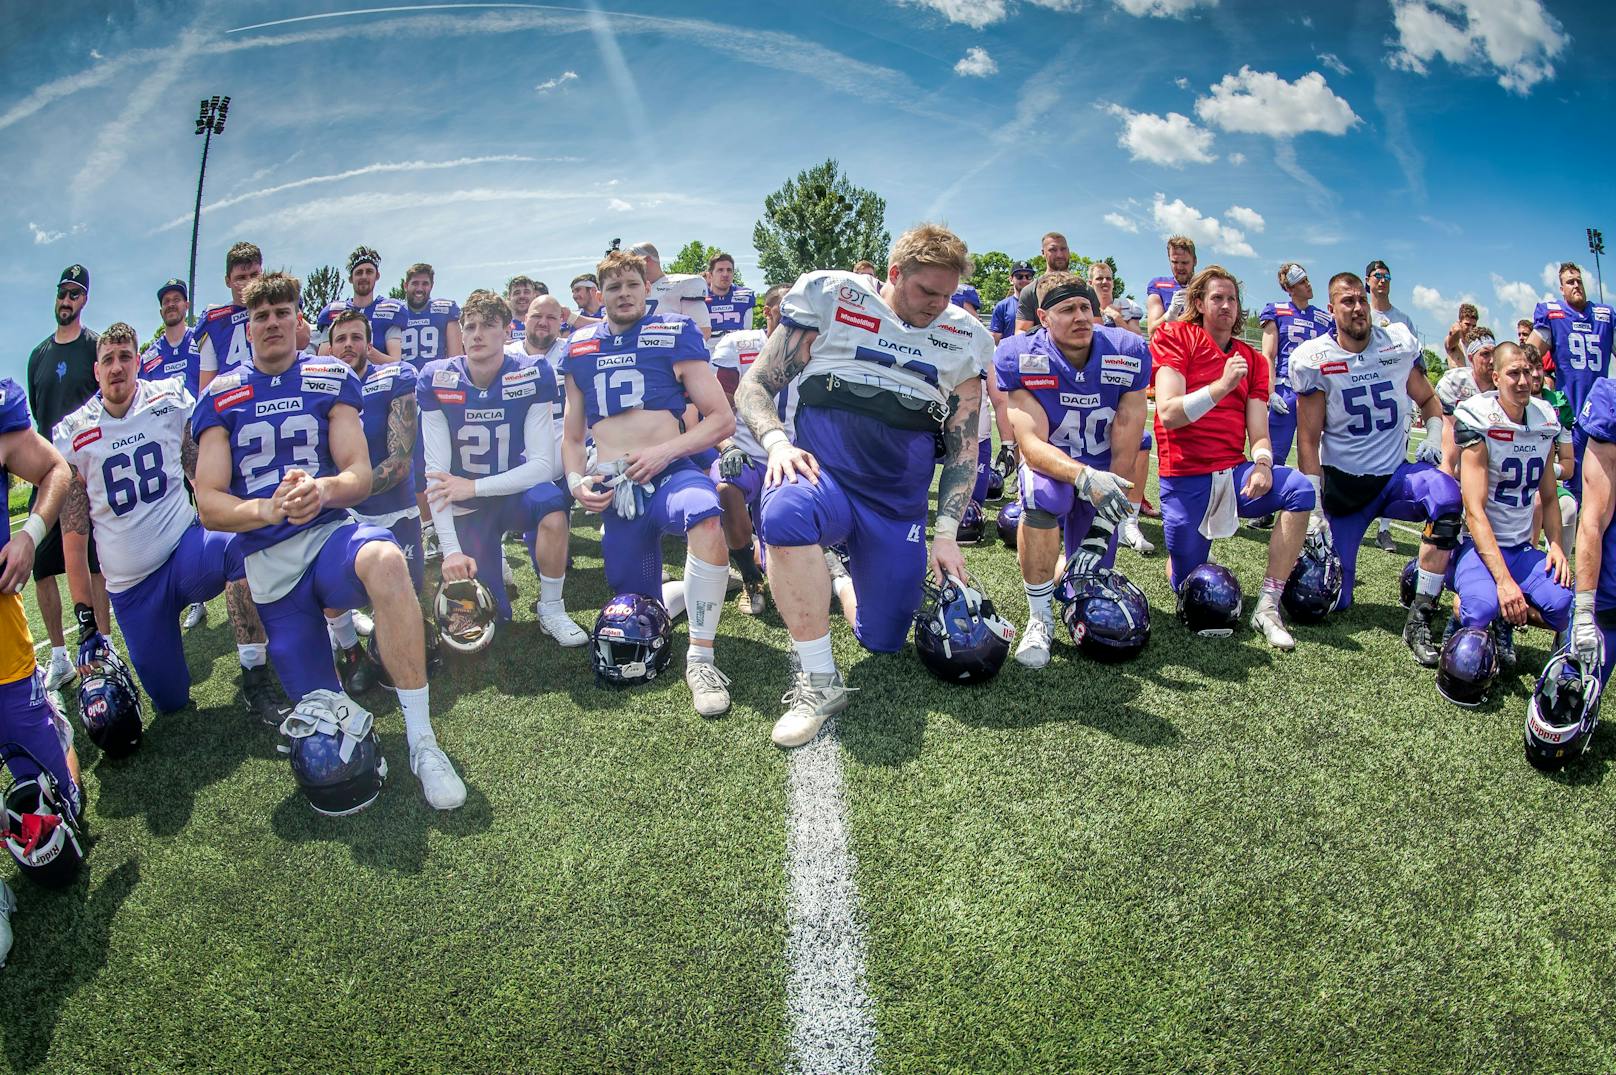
x,y
61,376
1028,309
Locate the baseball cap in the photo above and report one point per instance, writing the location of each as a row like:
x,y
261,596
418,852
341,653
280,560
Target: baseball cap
x,y
174,285
76,275
1020,266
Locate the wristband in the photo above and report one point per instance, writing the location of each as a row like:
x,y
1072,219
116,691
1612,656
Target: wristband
x,y
1583,603
1198,403
1263,456
1433,427
35,528
574,479
1317,482
773,439
947,527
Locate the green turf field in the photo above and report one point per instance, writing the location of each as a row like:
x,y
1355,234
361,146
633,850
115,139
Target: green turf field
x,y
1219,858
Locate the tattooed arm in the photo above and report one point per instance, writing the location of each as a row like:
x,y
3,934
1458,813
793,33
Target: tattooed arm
x,y
961,441
188,454
76,539
782,359
400,446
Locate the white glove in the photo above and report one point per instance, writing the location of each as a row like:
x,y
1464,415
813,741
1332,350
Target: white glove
x,y
1430,449
1277,404
1315,521
1587,643
1108,492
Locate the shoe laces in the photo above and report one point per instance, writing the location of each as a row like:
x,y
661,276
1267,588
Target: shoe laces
x,y
708,675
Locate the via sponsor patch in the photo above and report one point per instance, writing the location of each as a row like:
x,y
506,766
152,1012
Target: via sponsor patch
x,y
1118,377
323,385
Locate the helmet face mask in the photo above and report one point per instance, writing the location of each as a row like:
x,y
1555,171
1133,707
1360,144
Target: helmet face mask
x,y
1314,585
631,641
1468,668
41,830
1107,615
973,524
959,636
1563,713
109,705
1210,602
466,615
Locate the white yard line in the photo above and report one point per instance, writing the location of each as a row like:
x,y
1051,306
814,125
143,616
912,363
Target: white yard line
x,y
831,1015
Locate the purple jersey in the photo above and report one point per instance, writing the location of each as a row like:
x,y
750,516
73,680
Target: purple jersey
x,y
387,318
1295,325
731,312
425,330
381,385
277,422
617,373
163,360
1164,288
487,426
1580,342
1597,421
1080,404
221,340
1003,320
967,294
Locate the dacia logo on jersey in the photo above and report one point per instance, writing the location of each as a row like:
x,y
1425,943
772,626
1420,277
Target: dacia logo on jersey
x,y
278,406
89,436
495,414
1073,399
611,362
125,442
1034,362
223,401
901,348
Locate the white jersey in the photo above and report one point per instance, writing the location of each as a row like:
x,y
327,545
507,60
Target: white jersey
x,y
1388,317
737,351
132,472
1517,456
861,339
680,293
1366,398
1454,388
557,351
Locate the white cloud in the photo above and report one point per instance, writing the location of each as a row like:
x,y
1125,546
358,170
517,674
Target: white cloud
x,y
973,13
1120,222
1333,62
1237,159
1163,8
556,83
1516,39
1517,296
1176,218
95,54
1173,140
1446,310
1260,102
1551,275
1181,82
618,205
43,237
976,63
1249,219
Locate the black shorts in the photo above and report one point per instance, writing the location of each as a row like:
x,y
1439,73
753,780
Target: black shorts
x,y
48,559
1346,494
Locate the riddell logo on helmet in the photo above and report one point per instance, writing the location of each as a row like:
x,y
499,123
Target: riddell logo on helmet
x,y
866,322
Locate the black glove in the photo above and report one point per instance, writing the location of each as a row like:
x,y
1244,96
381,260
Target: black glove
x,y
85,616
1006,460
732,462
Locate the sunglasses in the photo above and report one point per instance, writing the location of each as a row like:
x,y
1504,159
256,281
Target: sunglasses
x,y
1380,276
69,292
1021,276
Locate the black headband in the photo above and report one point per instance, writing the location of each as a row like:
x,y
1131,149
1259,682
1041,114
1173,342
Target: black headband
x,y
1071,289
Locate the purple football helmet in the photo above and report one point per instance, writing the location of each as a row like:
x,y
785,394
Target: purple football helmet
x,y
959,637
335,753
1107,615
1468,668
1209,601
109,704
1314,587
1563,713
631,642
1407,582
973,525
995,483
1010,522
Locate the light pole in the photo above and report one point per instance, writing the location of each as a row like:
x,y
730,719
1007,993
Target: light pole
x,y
209,122
1596,246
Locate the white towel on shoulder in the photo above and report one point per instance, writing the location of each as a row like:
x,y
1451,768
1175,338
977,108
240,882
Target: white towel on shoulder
x,y
1222,516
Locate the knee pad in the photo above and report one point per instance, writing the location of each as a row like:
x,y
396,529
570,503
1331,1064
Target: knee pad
x,y
1039,519
1443,531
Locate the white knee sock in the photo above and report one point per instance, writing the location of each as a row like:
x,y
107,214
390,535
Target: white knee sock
x,y
814,655
341,629
705,587
417,714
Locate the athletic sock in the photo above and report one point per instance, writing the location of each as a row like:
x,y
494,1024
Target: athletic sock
x,y
814,655
746,564
417,714
253,654
705,587
341,629
1429,584
1039,597
550,589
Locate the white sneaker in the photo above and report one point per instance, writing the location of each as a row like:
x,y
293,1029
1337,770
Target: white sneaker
x,y
1135,538
60,673
709,688
1267,620
751,600
8,904
442,786
1033,649
814,698
561,627
195,616
506,573
430,550
363,625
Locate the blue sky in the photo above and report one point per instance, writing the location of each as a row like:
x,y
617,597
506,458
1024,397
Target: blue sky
x,y
1461,140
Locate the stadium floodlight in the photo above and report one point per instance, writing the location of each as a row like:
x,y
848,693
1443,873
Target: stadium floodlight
x,y
1596,246
210,117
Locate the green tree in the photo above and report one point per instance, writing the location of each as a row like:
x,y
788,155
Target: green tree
x,y
991,277
819,220
693,258
397,290
321,286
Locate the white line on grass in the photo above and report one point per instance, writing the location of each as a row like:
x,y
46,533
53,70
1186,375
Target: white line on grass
x,y
831,1015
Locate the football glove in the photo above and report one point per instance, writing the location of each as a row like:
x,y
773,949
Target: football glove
x,y
1277,404
1586,640
1108,492
1430,449
732,462
1006,459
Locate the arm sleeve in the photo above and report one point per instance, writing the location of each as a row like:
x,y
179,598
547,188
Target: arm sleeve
x,y
438,450
539,466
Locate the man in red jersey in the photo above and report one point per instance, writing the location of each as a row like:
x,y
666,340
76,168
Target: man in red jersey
x,y
1211,401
